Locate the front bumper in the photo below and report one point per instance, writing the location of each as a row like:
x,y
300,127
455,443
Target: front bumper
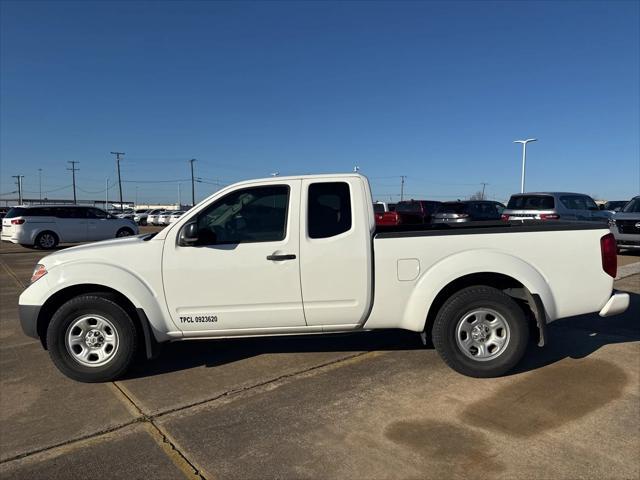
x,y
618,303
29,319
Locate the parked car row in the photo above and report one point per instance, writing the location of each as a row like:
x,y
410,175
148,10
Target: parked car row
x,y
164,217
423,212
623,216
47,226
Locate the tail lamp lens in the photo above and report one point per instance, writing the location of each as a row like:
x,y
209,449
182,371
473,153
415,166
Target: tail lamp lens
x,y
608,249
17,221
549,216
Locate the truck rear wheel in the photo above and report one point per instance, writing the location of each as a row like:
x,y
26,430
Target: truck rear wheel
x,y
91,339
481,332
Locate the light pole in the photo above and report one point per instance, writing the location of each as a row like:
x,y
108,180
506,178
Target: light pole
x,y
524,157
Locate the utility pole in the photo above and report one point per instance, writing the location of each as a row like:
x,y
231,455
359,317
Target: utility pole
x,y
40,182
73,170
402,177
118,154
484,184
19,182
106,194
179,195
193,184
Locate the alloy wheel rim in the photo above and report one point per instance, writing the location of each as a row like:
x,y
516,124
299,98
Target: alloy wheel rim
x,y
47,240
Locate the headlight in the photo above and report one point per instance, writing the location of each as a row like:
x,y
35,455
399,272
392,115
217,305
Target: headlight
x,y
612,222
38,272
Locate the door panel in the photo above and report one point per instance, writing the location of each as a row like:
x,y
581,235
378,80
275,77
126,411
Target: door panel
x,y
99,226
336,255
71,224
226,281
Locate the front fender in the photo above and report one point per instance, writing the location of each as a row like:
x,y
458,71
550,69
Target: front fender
x,y
451,268
142,294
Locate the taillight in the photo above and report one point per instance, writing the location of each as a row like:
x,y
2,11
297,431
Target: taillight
x,y
608,249
18,221
463,215
549,216
504,217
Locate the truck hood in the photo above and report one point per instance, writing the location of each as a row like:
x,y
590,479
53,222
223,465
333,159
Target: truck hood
x,y
112,249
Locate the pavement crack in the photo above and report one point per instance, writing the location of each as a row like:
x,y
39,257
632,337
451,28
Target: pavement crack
x,y
12,275
169,448
238,391
69,442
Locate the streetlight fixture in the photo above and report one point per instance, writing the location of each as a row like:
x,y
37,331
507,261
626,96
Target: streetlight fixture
x,y
524,157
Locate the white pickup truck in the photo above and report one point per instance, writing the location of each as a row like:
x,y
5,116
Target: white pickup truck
x,y
301,255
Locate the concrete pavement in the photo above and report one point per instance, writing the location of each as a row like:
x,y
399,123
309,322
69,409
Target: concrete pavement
x,y
374,405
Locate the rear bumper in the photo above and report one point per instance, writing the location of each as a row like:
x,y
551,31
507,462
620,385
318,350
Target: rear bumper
x,y
618,303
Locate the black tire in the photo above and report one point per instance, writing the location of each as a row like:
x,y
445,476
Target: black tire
x,y
86,306
448,337
46,240
124,232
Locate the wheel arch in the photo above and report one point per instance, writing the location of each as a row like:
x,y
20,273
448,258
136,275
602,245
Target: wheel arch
x,y
505,272
137,315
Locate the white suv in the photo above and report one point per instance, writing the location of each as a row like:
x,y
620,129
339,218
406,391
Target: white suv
x,y
46,226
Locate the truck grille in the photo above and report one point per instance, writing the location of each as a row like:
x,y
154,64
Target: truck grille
x,y
628,226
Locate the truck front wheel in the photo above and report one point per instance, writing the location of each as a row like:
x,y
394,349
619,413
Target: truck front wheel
x,y
91,339
481,332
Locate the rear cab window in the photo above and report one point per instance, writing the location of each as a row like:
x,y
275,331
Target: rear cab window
x,y
531,202
329,209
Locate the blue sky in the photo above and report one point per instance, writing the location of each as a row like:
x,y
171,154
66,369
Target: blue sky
x,y
436,91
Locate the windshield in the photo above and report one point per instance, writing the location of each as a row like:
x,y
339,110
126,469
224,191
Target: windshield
x,y
531,202
632,207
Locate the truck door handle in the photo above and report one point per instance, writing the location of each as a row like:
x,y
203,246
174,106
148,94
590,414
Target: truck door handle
x,y
278,258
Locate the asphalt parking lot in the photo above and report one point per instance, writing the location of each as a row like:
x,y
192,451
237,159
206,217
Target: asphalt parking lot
x,y
370,405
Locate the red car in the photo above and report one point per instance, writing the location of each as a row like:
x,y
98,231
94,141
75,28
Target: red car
x,y
409,212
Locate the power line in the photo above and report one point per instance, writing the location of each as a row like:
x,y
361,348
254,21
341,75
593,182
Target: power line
x,y
73,173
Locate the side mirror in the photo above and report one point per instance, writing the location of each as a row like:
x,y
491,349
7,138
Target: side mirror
x,y
188,235
601,206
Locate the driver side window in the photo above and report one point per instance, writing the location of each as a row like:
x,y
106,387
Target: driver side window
x,y
249,215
